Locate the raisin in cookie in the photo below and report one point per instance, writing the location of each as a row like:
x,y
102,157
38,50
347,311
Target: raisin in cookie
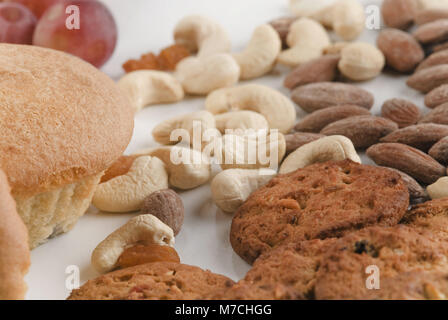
x,y
154,281
320,201
390,253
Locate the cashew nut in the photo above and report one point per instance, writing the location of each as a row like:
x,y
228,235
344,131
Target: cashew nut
x,y
325,149
273,105
252,151
202,75
143,229
146,87
307,40
439,189
201,120
187,168
361,61
126,193
432,4
243,120
261,53
348,19
203,35
230,188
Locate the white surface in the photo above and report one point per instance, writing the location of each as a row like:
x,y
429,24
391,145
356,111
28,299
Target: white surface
x,y
146,25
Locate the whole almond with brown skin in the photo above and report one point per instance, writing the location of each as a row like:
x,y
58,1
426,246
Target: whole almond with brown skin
x,y
322,69
432,32
412,161
430,15
439,151
437,97
318,120
297,139
403,53
430,78
401,111
282,25
317,96
416,191
438,47
399,13
434,59
420,136
439,115
363,131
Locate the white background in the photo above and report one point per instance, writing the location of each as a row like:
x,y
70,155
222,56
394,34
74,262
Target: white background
x,y
144,26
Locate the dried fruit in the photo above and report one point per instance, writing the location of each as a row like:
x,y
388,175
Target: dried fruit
x,y
361,61
166,205
316,96
318,120
399,13
146,62
141,254
434,59
363,131
438,115
297,139
439,151
432,32
412,161
403,53
429,78
420,136
402,112
322,69
437,96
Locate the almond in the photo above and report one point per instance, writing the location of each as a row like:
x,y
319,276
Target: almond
x,y
402,112
322,69
318,120
416,191
434,59
437,96
316,96
399,13
420,136
403,53
438,47
363,131
282,25
430,15
297,139
432,32
439,115
412,161
439,151
430,78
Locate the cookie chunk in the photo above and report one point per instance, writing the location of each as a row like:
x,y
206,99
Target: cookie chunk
x,y
320,201
287,272
397,253
154,281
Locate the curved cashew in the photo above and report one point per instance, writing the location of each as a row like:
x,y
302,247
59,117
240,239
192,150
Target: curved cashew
x,y
201,120
325,149
261,53
146,87
273,105
259,150
202,75
230,188
146,229
243,120
126,193
187,168
439,189
201,34
348,19
307,39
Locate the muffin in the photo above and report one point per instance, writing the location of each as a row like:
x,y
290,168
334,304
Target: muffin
x,y
14,251
62,123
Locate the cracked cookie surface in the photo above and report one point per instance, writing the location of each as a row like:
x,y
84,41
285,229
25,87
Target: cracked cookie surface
x,y
320,201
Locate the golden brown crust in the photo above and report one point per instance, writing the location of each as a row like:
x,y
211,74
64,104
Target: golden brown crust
x,y
61,119
154,281
14,251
